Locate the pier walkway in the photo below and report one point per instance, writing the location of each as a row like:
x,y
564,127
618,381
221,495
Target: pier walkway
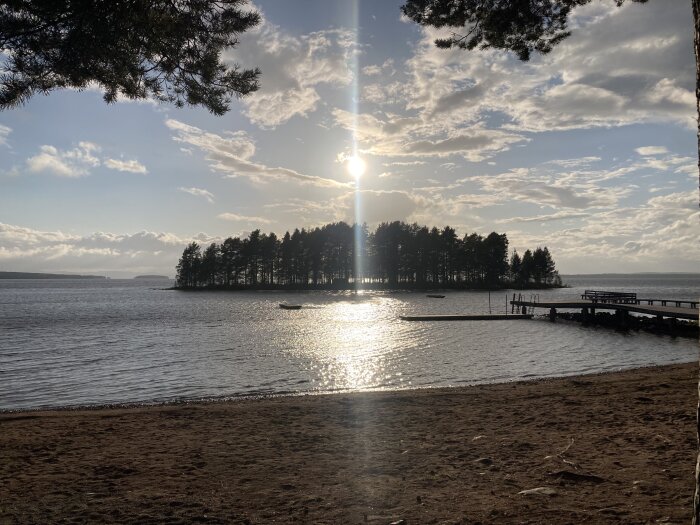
x,y
465,317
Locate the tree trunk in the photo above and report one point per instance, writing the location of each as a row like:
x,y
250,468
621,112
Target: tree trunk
x,y
696,17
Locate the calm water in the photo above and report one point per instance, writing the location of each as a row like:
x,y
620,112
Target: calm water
x,y
94,342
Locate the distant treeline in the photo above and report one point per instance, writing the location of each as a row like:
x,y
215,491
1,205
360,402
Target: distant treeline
x,y
395,255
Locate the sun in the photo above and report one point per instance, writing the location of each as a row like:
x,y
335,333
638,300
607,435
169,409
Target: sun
x,y
356,166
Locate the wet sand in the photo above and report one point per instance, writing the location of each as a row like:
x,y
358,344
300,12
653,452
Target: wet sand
x,y
612,448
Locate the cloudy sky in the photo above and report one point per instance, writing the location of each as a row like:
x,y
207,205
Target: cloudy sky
x,y
590,150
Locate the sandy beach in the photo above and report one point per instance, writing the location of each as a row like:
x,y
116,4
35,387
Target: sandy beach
x,y
611,448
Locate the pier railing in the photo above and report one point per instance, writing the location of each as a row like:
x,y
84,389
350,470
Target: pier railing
x,y
668,302
602,296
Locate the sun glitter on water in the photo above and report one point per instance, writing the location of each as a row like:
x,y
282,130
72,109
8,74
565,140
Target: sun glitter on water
x,y
356,166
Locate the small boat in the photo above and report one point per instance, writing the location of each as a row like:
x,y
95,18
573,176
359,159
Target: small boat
x,y
290,306
435,296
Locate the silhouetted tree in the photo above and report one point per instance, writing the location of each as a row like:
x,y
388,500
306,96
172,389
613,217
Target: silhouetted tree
x,y
548,266
434,245
422,247
284,270
495,258
168,50
515,265
527,267
360,259
230,255
472,257
188,267
251,257
210,267
448,255
269,255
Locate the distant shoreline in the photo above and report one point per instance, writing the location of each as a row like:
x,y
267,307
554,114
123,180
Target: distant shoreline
x,y
32,275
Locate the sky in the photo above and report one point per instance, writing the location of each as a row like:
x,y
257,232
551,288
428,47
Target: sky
x,y
590,150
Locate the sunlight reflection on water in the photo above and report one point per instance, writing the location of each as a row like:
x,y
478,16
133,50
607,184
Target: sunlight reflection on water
x,y
347,344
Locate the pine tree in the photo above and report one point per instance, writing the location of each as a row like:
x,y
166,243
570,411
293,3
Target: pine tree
x,y
137,49
188,267
515,266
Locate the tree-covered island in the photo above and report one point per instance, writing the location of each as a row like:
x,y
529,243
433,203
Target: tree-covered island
x,y
394,256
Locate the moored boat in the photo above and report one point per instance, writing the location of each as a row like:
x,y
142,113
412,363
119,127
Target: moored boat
x,y
290,306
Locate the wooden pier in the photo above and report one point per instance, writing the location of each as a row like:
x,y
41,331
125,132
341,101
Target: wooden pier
x,y
466,317
601,296
622,305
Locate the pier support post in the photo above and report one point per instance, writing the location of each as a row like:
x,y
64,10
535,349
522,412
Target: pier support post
x,y
553,315
622,319
659,322
524,309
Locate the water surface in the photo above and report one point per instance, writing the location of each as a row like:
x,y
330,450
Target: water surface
x,y
94,342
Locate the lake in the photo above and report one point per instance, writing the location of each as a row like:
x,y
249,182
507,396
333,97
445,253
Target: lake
x,y
86,342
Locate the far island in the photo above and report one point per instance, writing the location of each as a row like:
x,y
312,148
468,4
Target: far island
x,y
153,277
338,256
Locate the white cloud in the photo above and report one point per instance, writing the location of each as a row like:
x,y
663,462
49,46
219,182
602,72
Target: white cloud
x,y
404,163
372,71
27,249
574,163
620,66
198,192
385,93
132,166
375,206
76,162
377,69
661,233
232,155
292,70
235,217
652,150
394,136
541,188
71,163
378,206
559,216
4,133
474,145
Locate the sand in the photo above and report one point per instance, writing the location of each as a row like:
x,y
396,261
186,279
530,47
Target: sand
x,y
612,448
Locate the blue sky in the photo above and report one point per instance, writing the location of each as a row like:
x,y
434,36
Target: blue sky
x,y
590,150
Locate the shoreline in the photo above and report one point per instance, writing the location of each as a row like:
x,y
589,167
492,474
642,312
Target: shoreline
x,y
604,447
243,397
369,287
